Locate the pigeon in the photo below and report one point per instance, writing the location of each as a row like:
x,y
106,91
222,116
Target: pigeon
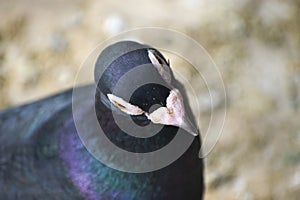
x,y
49,148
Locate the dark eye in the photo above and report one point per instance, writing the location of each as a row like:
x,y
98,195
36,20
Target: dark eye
x,y
160,58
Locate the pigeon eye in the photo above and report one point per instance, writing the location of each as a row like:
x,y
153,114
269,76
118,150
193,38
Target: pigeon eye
x,y
159,59
161,65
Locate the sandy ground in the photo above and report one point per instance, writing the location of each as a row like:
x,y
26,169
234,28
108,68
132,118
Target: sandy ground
x,y
255,44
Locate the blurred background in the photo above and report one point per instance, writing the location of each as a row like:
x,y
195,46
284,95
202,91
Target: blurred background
x,y
256,45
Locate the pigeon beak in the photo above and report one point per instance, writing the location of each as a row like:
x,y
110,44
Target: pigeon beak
x,y
188,126
173,114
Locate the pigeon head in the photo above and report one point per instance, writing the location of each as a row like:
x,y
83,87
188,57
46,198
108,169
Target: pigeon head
x,y
136,80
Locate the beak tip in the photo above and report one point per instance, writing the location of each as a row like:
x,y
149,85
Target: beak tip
x,y
191,131
189,127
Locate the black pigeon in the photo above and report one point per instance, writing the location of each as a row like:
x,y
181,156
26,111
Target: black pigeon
x,y
43,157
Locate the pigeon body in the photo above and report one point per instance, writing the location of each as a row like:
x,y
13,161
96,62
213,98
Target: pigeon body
x,y
43,157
